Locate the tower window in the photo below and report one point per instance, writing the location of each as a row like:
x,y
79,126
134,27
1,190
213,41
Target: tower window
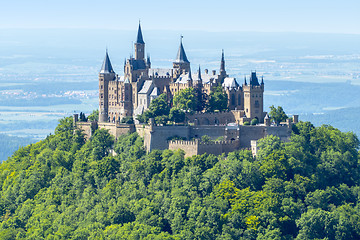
x,y
257,105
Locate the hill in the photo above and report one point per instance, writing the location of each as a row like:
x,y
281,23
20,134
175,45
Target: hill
x,y
65,188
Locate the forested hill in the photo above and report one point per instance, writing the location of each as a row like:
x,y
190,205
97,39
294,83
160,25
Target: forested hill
x,y
64,188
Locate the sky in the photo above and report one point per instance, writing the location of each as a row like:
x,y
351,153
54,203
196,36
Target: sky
x,y
323,16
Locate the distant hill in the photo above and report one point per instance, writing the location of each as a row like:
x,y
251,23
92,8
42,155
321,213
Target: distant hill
x,y
9,144
65,188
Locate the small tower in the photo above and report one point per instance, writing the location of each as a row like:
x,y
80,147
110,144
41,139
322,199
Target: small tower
x,y
254,98
106,74
223,74
139,45
181,62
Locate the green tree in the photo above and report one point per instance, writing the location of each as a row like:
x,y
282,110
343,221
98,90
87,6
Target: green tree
x,y
277,114
159,107
177,115
186,100
218,100
94,116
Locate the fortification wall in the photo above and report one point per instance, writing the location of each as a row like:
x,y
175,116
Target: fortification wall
x,y
283,132
190,147
248,133
117,129
159,136
218,118
86,127
212,131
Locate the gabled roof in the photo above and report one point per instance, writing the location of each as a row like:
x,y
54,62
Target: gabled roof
x,y
139,38
181,55
106,66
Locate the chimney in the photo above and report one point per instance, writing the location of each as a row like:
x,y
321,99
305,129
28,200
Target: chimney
x,y
206,71
214,72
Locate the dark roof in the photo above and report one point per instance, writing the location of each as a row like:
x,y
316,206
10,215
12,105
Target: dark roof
x,y
137,64
181,55
106,66
139,38
254,80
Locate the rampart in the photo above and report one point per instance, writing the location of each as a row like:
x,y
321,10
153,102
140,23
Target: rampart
x,y
160,137
197,147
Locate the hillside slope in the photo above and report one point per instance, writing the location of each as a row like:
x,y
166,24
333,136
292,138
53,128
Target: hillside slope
x,y
64,188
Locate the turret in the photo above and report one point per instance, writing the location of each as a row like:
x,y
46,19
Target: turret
x,y
139,45
106,74
181,62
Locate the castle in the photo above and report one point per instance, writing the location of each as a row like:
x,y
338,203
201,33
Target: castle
x,y
130,95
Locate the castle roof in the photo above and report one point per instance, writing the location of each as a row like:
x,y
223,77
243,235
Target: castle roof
x,y
155,92
181,55
230,82
106,66
137,63
147,87
253,79
184,78
161,72
139,38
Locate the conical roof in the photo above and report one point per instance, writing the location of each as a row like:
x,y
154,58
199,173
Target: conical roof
x,y
106,66
139,38
181,55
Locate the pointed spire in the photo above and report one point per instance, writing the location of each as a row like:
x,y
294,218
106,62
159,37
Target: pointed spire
x,y
181,55
262,80
148,62
106,66
199,73
222,65
245,80
139,38
189,75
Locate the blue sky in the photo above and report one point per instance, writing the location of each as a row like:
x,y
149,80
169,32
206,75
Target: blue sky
x,y
329,16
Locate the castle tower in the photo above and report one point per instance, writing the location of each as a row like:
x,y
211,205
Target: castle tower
x,y
106,74
254,98
223,74
139,45
181,62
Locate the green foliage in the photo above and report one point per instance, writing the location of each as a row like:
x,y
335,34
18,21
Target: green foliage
x,y
254,121
186,100
127,120
94,116
277,114
65,188
177,115
218,100
159,109
246,123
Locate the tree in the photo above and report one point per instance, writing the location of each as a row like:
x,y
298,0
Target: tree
x,y
218,100
186,100
177,115
254,121
94,116
159,108
277,114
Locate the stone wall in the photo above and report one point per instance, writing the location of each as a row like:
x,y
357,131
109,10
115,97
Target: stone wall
x,y
217,118
190,147
196,147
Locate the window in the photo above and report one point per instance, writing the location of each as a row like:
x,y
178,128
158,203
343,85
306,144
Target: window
x,y
257,105
232,99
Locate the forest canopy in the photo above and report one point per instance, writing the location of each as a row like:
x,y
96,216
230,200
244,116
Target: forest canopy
x,y
64,187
